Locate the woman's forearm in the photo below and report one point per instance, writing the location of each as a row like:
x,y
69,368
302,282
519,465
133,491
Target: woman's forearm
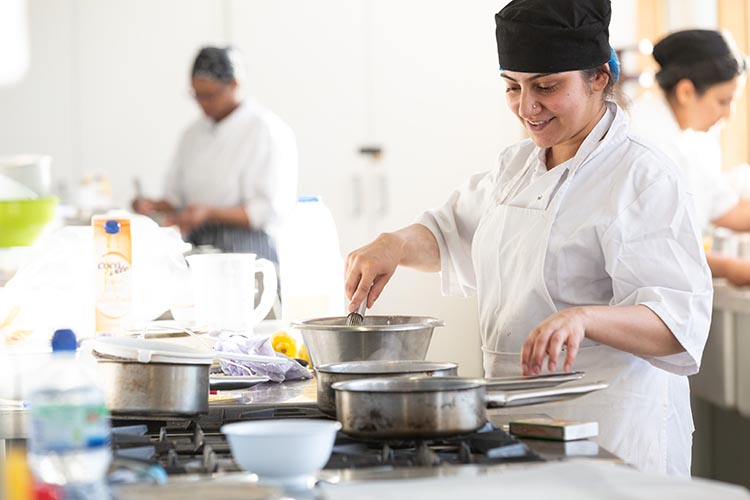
x,y
419,248
634,329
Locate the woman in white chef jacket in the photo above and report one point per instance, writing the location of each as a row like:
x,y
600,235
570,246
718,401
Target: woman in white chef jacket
x,y
580,244
698,79
699,75
234,175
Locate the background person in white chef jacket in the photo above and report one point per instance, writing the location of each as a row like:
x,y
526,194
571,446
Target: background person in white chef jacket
x,y
700,72
580,244
234,175
699,76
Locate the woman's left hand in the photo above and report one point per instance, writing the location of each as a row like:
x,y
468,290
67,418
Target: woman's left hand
x,y
564,330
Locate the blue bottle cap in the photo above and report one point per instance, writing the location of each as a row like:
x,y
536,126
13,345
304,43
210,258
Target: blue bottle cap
x,y
112,227
64,340
308,199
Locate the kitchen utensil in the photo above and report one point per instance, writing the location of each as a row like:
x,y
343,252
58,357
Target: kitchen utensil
x,y
154,388
22,221
230,383
429,407
330,340
328,375
224,290
286,451
355,318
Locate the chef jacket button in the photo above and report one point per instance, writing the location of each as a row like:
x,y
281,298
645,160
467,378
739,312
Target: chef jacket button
x,y
540,197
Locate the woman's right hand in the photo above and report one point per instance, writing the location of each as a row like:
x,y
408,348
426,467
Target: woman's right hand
x,y
369,268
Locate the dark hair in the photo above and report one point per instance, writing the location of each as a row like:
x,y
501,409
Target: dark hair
x,y
702,74
612,92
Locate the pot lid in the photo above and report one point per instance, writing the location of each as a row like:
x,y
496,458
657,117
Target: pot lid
x,y
150,351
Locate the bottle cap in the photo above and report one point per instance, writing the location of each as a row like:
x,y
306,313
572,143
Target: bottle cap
x,y
64,340
308,199
112,227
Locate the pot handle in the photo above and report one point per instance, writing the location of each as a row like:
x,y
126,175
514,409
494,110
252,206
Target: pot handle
x,y
501,399
530,381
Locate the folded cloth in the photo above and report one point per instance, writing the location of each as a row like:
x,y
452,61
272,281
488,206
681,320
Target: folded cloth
x,y
231,342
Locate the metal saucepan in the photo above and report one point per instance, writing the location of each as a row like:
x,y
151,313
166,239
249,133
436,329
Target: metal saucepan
x,y
154,388
430,407
329,374
331,340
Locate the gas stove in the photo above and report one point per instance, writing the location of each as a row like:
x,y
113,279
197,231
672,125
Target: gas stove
x,y
196,446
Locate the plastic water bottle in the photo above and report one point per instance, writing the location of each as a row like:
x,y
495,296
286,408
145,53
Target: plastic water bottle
x,y
69,430
312,270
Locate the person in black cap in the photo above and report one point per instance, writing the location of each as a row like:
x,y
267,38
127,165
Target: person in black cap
x,y
579,244
234,175
699,73
699,77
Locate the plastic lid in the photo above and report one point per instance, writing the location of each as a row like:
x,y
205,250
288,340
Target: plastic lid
x,y
112,227
308,199
64,340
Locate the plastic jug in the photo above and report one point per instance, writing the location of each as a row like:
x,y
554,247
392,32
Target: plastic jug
x,y
312,270
223,287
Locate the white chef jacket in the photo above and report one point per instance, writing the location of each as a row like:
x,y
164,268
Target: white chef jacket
x,y
248,159
624,235
698,154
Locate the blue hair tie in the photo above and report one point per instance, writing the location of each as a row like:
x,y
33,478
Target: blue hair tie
x,y
614,64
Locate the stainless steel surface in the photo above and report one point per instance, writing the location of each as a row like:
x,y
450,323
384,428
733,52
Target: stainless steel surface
x,y
330,340
154,388
328,375
531,381
426,407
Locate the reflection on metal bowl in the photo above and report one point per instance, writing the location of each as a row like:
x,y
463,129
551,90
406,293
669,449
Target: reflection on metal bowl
x,y
330,340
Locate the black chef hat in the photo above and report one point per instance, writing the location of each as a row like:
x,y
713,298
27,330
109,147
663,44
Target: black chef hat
x,y
219,63
550,36
705,57
691,46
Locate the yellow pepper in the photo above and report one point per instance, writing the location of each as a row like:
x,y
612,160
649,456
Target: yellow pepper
x,y
303,354
284,343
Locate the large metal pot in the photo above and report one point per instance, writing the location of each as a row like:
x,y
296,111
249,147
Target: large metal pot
x,y
330,340
154,388
328,375
430,407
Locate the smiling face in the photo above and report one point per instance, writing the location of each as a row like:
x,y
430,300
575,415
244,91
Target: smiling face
x,y
557,109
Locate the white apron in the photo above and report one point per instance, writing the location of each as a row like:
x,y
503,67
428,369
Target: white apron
x,y
508,253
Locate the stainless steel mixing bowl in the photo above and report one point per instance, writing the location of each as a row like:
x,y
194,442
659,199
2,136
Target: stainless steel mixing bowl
x,y
330,340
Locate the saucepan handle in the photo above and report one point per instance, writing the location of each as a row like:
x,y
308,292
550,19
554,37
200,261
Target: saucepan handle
x,y
530,381
501,399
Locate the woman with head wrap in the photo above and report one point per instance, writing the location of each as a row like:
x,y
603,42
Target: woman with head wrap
x,y
580,244
699,75
235,171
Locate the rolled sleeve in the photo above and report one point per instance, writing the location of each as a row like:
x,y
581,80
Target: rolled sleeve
x,y
654,257
453,226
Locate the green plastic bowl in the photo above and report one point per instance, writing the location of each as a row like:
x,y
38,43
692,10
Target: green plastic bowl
x,y
22,221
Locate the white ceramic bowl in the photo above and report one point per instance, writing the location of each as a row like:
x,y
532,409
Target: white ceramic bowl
x,y
284,450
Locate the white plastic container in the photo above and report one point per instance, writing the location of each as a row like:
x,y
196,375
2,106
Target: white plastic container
x,y
312,270
69,430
